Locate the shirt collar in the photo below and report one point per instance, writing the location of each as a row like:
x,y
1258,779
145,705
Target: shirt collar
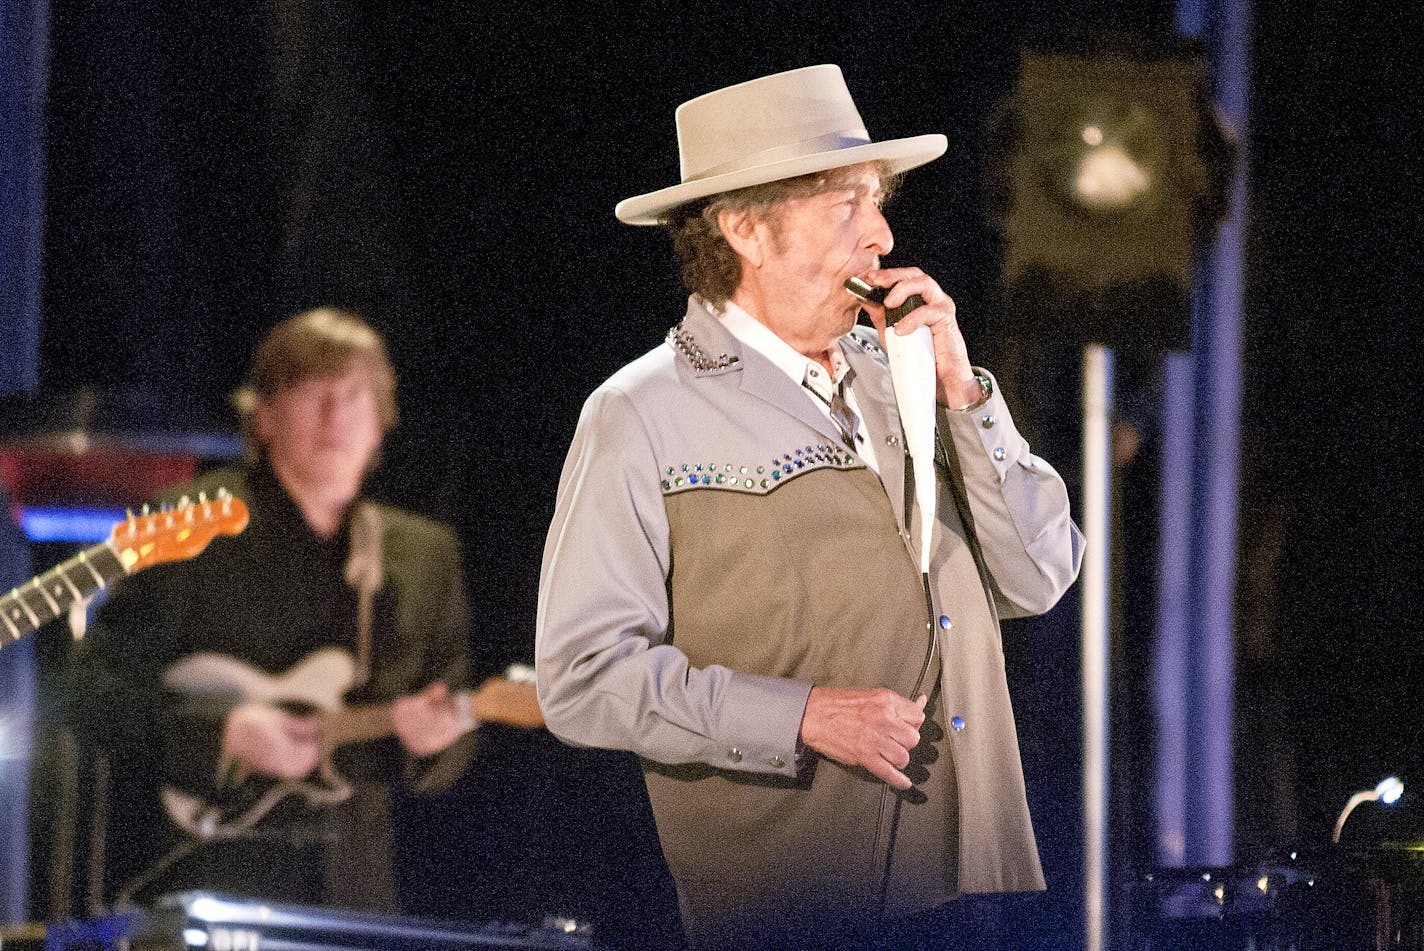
x,y
802,370
281,513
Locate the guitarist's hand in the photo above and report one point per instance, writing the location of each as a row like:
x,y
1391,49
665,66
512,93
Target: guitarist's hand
x,y
428,722
271,741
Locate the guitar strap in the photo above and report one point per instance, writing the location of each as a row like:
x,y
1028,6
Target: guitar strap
x,y
365,571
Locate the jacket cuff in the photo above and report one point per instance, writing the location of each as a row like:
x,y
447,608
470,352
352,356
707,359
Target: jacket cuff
x,y
761,724
985,436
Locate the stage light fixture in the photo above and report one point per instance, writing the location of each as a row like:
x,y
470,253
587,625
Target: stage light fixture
x,y
1108,167
1108,159
1387,792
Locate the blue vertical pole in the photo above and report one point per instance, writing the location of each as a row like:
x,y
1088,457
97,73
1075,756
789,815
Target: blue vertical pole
x,y
24,69
1194,676
1171,661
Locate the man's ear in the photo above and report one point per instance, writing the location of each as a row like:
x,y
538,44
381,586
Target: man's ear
x,y
743,231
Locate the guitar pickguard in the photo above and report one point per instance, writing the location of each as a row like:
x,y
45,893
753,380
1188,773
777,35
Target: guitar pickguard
x,y
319,681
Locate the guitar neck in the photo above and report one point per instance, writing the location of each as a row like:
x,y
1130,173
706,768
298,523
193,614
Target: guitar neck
x,y
356,724
51,594
363,722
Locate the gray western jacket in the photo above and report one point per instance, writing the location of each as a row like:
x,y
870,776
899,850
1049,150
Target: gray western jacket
x,y
696,539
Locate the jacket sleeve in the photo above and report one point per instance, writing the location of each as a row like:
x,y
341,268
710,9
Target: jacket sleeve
x,y
1031,547
445,632
117,701
606,675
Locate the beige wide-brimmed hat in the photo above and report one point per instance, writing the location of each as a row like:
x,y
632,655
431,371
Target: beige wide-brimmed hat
x,y
779,126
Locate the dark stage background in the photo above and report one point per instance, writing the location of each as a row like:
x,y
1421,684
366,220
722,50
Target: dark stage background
x,y
450,170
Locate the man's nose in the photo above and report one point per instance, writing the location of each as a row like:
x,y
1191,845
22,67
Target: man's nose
x,y
877,236
332,407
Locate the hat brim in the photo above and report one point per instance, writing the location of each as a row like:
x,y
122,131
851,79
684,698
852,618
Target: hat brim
x,y
900,154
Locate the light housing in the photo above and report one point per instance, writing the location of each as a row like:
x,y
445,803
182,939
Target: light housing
x,y
1388,791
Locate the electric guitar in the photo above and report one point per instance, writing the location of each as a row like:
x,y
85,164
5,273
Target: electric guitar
x,y
315,686
135,543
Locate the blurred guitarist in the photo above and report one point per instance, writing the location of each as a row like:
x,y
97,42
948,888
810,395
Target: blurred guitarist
x,y
319,567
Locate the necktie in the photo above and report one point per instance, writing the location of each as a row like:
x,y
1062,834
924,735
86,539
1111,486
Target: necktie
x,y
844,417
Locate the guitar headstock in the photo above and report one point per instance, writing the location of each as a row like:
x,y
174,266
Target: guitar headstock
x,y
178,533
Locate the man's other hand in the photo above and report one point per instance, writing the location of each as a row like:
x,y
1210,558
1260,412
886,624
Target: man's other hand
x,y
270,741
875,729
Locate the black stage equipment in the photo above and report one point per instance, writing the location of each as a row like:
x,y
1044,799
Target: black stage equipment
x,y
216,922
1368,899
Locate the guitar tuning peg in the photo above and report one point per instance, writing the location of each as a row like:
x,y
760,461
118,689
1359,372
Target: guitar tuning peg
x,y
202,498
184,502
144,511
223,493
128,515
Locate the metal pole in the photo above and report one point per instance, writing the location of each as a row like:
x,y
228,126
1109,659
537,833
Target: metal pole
x,y
1097,521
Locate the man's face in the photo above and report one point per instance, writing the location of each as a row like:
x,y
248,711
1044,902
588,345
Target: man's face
x,y
819,241
323,430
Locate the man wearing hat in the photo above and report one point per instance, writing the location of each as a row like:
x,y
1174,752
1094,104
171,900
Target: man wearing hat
x,y
732,585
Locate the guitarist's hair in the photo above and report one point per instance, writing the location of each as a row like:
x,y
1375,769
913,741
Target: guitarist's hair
x,y
315,343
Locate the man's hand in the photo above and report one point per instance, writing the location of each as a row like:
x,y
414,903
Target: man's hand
x,y
875,729
957,386
429,721
270,741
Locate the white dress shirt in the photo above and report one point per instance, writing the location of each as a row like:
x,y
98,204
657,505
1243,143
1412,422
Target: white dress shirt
x,y
802,370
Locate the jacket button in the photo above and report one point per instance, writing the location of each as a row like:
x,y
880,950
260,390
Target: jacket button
x,y
944,622
987,422
957,723
735,755
999,453
777,762
892,440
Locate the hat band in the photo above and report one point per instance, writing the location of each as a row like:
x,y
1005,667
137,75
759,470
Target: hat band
x,y
830,142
